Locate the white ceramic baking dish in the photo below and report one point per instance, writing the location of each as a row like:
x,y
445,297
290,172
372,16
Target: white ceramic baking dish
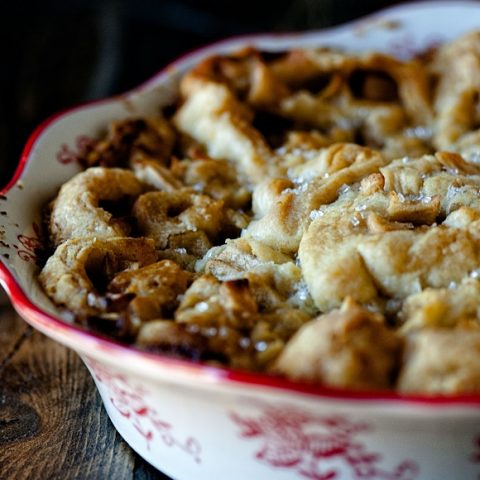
x,y
197,422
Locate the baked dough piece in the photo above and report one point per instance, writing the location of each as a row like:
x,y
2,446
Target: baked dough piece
x,y
373,77
81,208
183,224
162,215
242,255
152,136
444,307
445,361
152,173
347,348
214,117
203,175
374,243
352,260
77,274
242,324
277,279
216,178
175,340
456,66
285,221
155,289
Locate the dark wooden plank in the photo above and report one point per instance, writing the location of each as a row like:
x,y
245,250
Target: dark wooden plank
x,y
52,422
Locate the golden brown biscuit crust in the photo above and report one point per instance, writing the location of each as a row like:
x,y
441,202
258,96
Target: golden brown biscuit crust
x,y
309,213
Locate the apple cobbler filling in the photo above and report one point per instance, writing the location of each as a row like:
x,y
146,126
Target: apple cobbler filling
x,y
313,214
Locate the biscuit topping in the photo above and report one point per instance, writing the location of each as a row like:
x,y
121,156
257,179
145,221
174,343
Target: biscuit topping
x,y
313,214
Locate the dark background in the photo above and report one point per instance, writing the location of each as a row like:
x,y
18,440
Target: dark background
x,y
55,54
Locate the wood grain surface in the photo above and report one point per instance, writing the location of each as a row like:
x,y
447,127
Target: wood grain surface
x,y
52,421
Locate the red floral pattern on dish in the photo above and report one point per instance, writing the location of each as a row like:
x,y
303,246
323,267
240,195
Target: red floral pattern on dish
x,y
130,402
83,145
29,244
317,447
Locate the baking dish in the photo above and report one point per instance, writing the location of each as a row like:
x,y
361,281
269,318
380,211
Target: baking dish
x,y
194,421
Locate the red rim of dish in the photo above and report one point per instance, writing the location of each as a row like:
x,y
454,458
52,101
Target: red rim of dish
x,y
26,308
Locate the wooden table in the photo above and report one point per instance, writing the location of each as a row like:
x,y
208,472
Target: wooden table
x,y
52,420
